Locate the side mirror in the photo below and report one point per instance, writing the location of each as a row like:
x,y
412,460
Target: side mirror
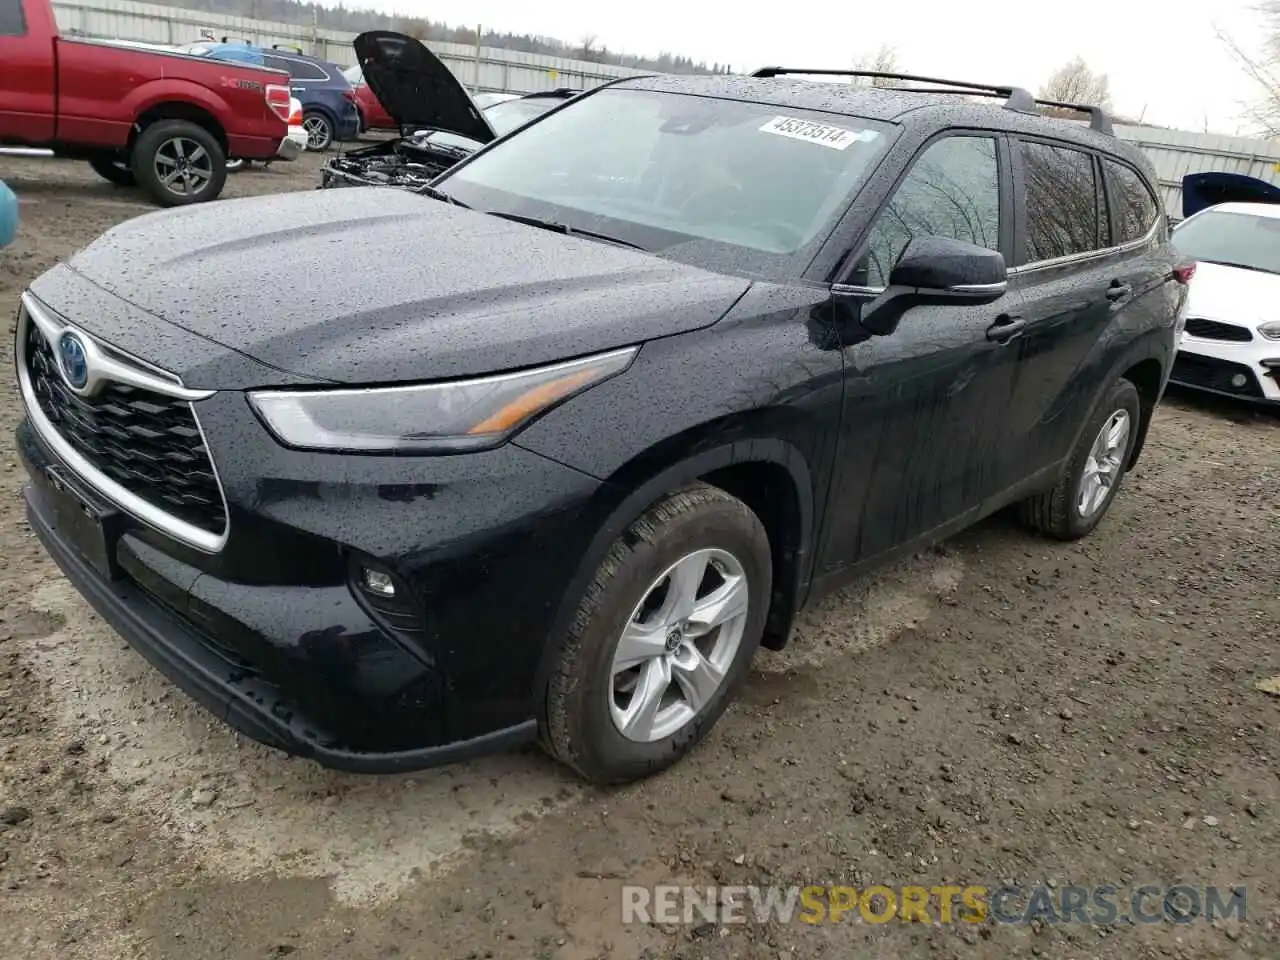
x,y
964,271
936,270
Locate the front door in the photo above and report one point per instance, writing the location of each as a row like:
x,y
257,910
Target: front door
x,y
925,406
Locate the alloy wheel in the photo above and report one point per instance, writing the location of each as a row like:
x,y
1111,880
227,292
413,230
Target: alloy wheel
x,y
678,645
183,166
1104,465
318,133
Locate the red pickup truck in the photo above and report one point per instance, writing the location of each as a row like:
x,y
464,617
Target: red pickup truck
x,y
165,121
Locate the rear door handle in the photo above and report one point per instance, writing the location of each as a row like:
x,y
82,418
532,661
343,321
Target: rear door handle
x,y
1005,328
1119,291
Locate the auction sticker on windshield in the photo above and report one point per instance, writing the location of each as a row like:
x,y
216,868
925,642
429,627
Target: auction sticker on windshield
x,y
823,134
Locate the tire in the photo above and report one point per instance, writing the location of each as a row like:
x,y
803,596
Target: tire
x,y
114,171
579,698
1059,512
160,143
319,130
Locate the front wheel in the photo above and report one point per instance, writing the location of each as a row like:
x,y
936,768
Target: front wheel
x,y
178,162
662,640
319,131
114,171
1084,492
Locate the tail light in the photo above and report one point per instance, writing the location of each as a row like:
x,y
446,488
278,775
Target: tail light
x,y
351,95
278,98
295,116
1184,273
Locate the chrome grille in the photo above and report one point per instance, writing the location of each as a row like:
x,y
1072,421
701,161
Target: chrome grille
x,y
147,442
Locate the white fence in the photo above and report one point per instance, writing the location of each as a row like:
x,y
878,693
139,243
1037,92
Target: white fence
x,y
1175,153
482,69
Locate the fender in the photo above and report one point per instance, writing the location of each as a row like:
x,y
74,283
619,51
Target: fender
x,y
623,508
155,92
1149,347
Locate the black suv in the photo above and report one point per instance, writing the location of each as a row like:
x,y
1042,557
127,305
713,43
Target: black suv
x,y
551,448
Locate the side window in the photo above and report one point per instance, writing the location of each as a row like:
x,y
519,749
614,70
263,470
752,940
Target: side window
x,y
952,190
1135,208
1061,202
301,69
13,22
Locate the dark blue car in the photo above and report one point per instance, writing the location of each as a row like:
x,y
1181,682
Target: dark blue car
x,y
328,100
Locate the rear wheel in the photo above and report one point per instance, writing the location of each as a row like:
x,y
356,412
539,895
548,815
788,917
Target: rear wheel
x,y
178,162
319,130
114,171
1082,496
662,640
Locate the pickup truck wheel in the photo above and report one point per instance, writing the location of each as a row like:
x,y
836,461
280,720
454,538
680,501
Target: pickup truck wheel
x,y
661,641
114,171
178,162
319,130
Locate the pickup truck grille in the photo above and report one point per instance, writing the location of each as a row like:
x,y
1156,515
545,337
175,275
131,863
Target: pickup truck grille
x,y
147,442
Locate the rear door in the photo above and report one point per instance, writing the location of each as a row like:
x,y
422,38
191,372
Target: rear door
x,y
1068,280
1139,227
924,406
28,103
306,78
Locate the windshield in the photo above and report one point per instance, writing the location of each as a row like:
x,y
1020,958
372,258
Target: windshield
x,y
510,114
717,183
1235,239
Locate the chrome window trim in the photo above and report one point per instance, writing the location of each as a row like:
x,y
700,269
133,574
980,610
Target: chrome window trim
x,y
1088,255
999,286
52,327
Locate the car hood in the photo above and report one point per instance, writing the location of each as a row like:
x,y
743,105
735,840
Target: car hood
x,y
378,285
1233,295
416,88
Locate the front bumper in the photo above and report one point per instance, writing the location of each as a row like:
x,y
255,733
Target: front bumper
x,y
1248,371
272,633
243,699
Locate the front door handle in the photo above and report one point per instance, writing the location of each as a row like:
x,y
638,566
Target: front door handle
x,y
1119,291
1005,328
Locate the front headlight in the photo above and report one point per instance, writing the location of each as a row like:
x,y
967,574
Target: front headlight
x,y
432,417
1270,329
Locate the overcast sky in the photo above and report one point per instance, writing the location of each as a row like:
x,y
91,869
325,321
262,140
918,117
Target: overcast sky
x,y
1162,57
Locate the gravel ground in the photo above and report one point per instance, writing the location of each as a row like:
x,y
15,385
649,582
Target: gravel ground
x,y
999,710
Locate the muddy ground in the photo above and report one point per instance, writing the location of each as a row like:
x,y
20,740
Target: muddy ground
x,y
1001,709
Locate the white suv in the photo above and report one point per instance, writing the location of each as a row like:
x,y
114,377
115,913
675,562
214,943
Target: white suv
x,y
1231,344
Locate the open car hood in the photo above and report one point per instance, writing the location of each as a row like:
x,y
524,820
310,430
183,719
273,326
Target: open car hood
x,y
416,88
1200,190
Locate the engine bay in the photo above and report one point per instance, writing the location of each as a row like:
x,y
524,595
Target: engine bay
x,y
406,162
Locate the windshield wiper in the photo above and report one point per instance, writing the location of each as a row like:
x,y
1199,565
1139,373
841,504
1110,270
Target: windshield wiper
x,y
436,194
1239,266
558,227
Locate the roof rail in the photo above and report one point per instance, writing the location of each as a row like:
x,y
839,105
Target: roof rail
x,y
1016,98
1099,119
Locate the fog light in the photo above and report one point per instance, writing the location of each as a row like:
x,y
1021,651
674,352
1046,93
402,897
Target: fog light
x,y
1239,380
375,581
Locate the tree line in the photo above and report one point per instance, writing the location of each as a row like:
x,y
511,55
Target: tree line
x,y
428,31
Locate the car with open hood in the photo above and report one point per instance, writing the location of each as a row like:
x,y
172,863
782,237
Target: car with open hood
x,y
551,447
439,122
1231,344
